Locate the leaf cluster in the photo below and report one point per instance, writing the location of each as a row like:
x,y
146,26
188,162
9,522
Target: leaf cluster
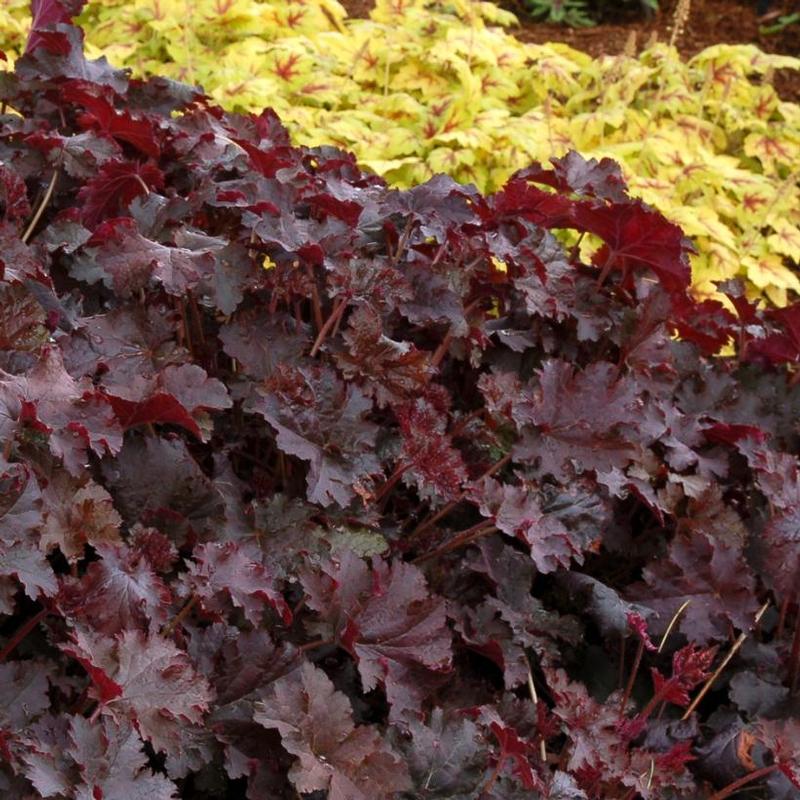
x,y
313,486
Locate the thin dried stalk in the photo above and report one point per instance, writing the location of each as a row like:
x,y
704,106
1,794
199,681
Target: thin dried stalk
x,y
40,210
675,617
679,20
535,701
629,51
725,661
180,616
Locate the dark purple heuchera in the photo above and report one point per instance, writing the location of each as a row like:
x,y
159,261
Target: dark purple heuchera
x,y
312,487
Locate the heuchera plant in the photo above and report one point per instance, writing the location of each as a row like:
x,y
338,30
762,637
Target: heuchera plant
x,y
312,487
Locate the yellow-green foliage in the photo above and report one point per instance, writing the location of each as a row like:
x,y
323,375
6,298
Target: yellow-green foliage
x,y
423,87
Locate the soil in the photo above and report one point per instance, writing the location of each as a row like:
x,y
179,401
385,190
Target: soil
x,y
710,22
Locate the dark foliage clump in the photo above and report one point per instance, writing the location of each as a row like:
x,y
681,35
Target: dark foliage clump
x,y
309,486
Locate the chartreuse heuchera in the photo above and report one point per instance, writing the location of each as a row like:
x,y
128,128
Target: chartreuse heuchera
x,y
423,87
312,487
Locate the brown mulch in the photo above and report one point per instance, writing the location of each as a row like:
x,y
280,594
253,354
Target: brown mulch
x,y
710,22
358,8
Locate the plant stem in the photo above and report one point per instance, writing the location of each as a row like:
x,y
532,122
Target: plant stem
x,y
142,184
724,663
653,703
535,700
304,648
315,303
794,658
329,323
483,528
463,422
40,210
402,240
180,616
632,677
391,482
787,601
743,781
675,617
196,316
432,520
184,327
441,350
22,632
487,787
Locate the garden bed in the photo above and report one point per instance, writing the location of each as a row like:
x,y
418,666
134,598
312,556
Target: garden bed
x,y
710,22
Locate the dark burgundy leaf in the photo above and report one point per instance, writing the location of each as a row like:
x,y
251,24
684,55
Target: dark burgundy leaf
x,y
519,199
116,184
610,612
260,342
117,347
102,116
23,692
783,739
387,619
23,323
394,371
780,542
18,262
556,526
428,454
120,591
21,556
322,420
236,572
446,756
159,475
13,195
582,420
637,236
46,15
44,759
50,402
574,173
690,668
758,697
332,753
177,395
144,679
125,261
713,576
516,752
77,512
112,762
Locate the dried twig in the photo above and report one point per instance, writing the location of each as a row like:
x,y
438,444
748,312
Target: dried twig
x,y
675,617
535,701
180,616
679,20
714,675
40,210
